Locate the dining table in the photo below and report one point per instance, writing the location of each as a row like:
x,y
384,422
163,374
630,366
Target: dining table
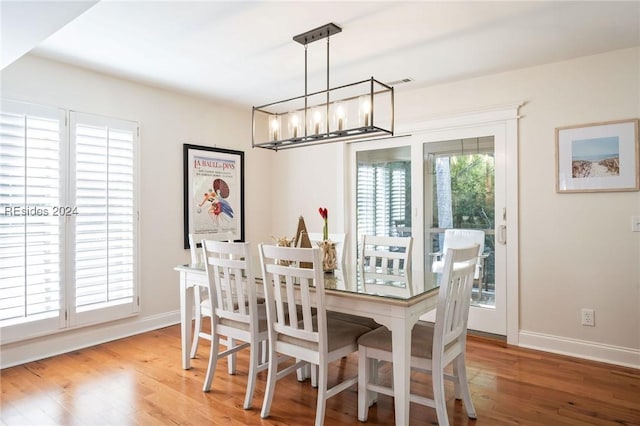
x,y
393,300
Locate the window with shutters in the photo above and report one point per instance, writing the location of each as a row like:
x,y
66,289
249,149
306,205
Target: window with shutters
x,y
68,220
383,192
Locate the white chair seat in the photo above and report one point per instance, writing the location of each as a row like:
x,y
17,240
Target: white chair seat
x,y
341,333
421,340
356,319
262,321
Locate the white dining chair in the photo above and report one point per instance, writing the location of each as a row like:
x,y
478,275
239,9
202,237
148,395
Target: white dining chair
x,y
433,346
338,239
456,238
195,250
233,309
385,253
310,339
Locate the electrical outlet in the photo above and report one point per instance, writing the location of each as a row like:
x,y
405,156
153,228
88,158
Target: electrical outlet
x,y
588,317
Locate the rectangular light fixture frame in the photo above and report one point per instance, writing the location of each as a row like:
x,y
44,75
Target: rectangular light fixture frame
x,y
364,109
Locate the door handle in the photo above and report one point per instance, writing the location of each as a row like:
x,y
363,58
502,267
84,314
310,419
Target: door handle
x,y
502,234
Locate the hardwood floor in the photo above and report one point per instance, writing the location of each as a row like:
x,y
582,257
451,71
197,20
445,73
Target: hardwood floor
x,y
139,380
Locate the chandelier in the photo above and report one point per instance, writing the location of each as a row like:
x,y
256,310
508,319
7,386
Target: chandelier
x,y
354,111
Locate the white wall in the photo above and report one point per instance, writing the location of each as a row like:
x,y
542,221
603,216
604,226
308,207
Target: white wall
x,y
167,120
576,250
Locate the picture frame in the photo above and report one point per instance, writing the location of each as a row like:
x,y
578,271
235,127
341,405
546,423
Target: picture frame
x,y
598,157
213,192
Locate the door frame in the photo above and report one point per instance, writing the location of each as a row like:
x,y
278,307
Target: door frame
x,y
502,122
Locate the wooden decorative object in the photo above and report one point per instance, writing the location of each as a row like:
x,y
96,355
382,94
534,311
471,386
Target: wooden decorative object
x,y
329,262
302,240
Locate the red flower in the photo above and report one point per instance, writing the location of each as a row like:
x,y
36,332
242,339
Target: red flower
x,y
325,229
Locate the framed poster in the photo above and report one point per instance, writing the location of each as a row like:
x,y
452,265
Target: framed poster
x,y
598,157
213,192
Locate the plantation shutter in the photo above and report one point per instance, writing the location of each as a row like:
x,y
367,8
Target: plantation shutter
x,y
382,196
104,232
32,150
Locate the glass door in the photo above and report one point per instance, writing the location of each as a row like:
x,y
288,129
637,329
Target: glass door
x,y
460,207
463,189
431,186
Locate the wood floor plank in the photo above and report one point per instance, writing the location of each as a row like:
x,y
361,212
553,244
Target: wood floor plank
x,y
139,381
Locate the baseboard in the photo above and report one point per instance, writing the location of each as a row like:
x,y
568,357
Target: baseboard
x,y
44,347
610,354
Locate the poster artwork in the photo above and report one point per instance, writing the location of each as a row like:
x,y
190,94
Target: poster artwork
x,y
215,195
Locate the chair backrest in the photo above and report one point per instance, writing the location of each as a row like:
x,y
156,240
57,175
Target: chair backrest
x,y
338,239
452,311
231,281
284,286
194,246
387,253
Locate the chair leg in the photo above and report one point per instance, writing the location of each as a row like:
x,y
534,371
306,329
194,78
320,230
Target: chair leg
x,y
303,372
272,377
322,392
213,360
231,359
314,375
198,322
456,382
373,378
438,395
364,373
254,359
464,385
264,351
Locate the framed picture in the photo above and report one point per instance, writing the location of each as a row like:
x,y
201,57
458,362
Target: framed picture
x,y
598,157
213,192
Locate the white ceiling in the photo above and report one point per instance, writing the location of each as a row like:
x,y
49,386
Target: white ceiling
x,y
243,51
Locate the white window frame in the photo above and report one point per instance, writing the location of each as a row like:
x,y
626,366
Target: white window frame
x,y
106,311
67,317
35,327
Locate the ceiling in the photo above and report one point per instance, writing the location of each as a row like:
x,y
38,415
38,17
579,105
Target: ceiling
x,y
243,52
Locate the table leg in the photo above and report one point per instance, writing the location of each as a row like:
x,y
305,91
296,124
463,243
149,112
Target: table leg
x,y
186,307
401,343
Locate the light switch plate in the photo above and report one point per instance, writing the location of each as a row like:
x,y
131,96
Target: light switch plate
x,y
635,223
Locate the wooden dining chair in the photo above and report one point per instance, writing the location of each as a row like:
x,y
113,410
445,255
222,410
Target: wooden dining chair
x,y
385,253
199,294
310,339
233,309
433,347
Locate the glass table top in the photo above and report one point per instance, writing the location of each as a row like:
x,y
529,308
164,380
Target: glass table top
x,y
378,283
